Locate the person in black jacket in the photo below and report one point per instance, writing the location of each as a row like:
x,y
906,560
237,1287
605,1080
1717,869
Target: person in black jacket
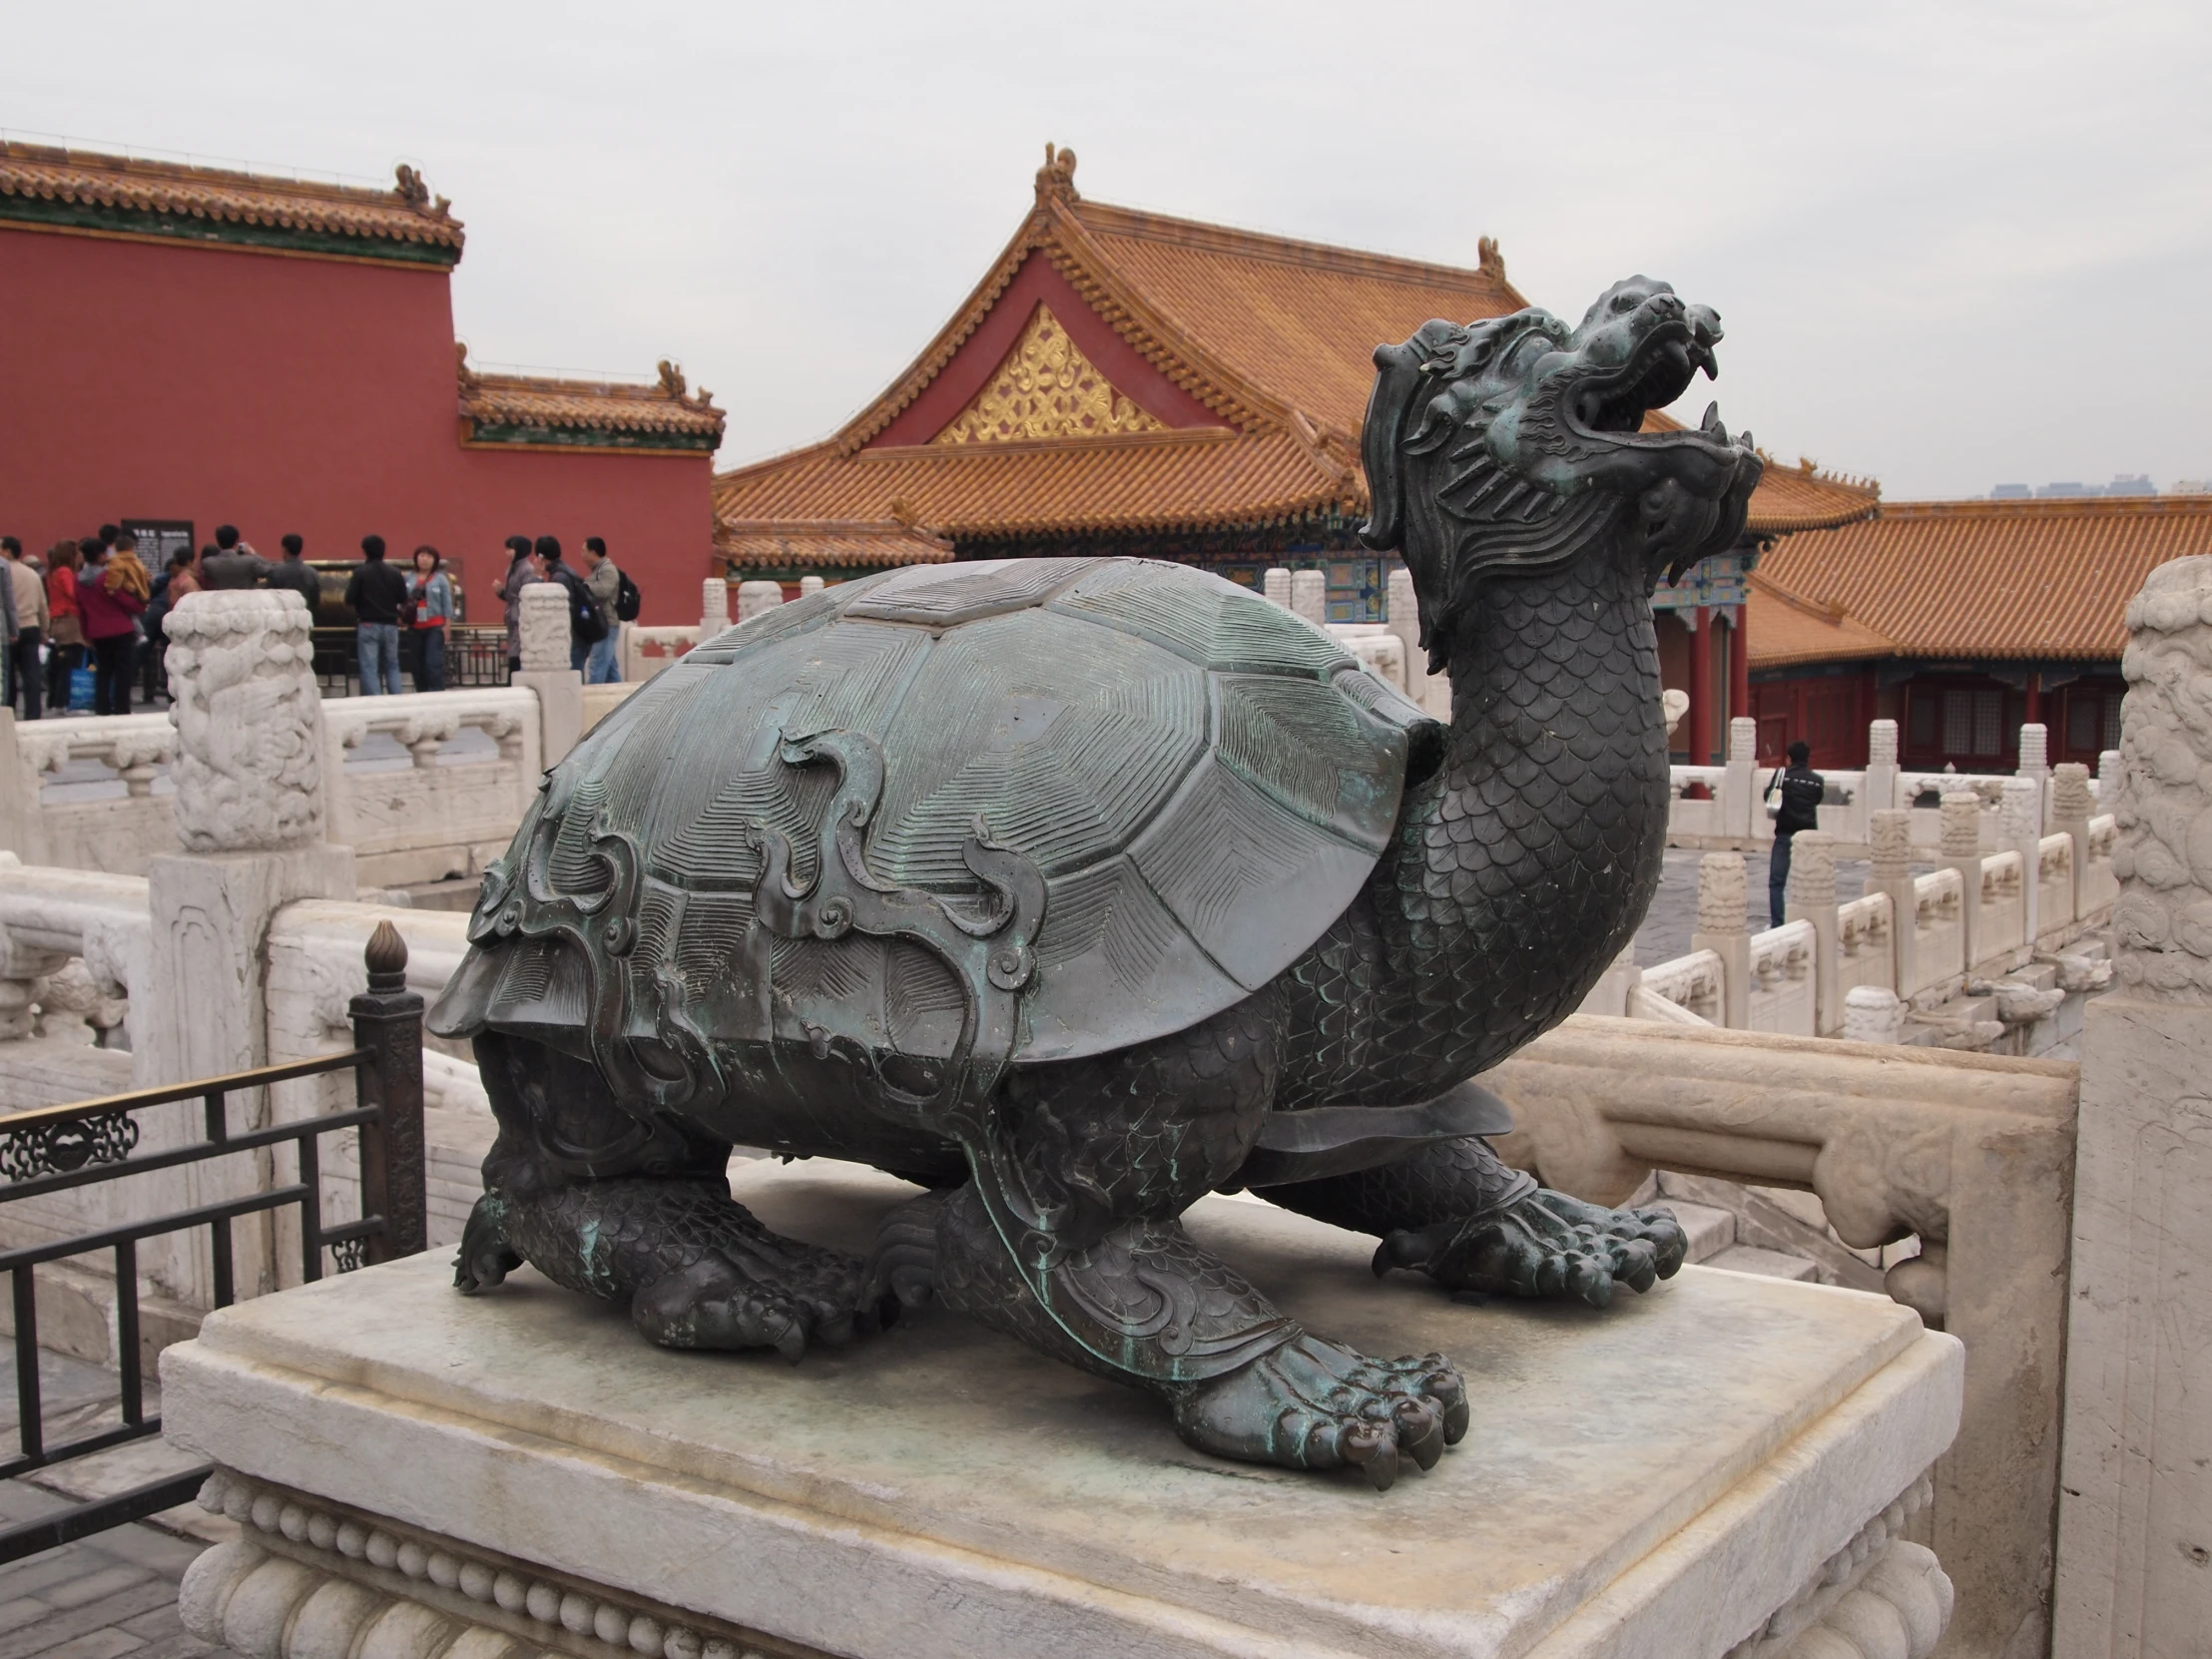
x,y
1801,788
379,595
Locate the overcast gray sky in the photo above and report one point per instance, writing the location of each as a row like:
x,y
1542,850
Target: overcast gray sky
x,y
1953,243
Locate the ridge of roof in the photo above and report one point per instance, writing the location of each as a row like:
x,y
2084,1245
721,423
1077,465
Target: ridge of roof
x,y
2052,506
90,192
1107,219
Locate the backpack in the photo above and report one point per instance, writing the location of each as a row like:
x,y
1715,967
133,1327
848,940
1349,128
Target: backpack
x,y
627,599
586,625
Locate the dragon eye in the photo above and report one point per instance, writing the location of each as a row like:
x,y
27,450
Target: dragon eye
x,y
1626,302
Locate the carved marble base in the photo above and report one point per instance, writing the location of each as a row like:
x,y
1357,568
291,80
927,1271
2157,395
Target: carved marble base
x,y
1721,1467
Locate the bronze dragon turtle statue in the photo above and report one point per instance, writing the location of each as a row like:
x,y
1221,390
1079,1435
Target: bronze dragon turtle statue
x,y
1074,890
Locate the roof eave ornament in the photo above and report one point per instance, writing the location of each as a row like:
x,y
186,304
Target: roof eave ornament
x,y
1489,260
1056,179
469,378
414,191
673,387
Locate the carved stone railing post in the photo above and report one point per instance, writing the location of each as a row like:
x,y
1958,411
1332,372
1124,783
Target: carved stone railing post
x,y
1872,1015
1881,788
2070,812
756,597
808,586
1275,584
1961,852
2108,778
251,811
1890,840
545,669
1740,787
2020,830
1309,595
2134,1555
1723,928
714,608
2036,764
1811,896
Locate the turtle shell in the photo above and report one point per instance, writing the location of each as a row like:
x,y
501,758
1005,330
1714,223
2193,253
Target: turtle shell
x,y
1203,779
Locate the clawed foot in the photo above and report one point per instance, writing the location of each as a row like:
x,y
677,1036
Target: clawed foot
x,y
1311,1405
717,1303
1544,1244
699,1272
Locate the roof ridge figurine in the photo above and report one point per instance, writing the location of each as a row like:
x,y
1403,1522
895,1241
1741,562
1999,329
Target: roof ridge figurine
x,y
1073,889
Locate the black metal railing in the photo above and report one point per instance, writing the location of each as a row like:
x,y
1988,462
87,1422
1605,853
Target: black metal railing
x,y
474,657
54,1149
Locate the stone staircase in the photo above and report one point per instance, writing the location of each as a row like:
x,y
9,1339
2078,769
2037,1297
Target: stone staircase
x,y
1713,1243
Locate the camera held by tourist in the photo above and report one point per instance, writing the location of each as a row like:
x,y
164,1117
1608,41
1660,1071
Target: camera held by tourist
x,y
431,597
231,563
379,597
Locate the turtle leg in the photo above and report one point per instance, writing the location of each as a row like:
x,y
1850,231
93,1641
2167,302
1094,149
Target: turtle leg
x,y
1456,1213
1118,1146
638,1211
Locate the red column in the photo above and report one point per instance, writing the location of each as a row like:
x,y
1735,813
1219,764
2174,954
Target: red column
x,y
2035,714
1739,666
1697,722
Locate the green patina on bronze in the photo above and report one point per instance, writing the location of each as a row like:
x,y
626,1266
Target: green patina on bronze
x,y
1074,888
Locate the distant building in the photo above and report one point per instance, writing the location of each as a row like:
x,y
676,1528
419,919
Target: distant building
x,y
1126,382
187,347
1959,620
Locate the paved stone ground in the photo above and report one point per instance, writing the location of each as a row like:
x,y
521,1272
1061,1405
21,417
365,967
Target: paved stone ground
x,y
102,1597
1666,931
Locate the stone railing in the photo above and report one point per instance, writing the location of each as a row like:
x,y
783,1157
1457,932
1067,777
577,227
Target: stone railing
x,y
1969,1154
88,826
1736,817
1782,989
645,651
1800,978
451,807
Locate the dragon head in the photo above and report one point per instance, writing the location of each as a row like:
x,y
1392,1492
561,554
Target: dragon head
x,y
1515,445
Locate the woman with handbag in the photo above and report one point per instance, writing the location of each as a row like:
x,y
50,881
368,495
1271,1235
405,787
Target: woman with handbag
x,y
431,594
66,644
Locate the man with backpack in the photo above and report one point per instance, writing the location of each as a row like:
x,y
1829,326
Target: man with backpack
x,y
586,628
1801,788
617,598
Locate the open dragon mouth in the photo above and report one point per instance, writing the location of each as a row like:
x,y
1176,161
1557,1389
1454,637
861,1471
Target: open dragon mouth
x,y
1665,362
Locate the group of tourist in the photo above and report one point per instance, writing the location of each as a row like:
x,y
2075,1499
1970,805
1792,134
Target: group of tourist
x,y
92,604
600,599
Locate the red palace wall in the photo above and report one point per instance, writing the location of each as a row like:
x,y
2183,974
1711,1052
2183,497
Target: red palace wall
x,y
277,393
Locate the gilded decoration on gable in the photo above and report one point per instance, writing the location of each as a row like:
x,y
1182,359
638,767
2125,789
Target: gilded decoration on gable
x,y
1046,388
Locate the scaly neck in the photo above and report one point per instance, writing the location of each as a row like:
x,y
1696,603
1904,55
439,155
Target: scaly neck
x,y
1529,859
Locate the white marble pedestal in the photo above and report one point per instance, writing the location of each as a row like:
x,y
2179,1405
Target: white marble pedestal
x,y
1722,1467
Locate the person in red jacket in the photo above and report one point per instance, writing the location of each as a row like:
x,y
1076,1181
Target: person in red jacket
x,y
65,639
111,611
